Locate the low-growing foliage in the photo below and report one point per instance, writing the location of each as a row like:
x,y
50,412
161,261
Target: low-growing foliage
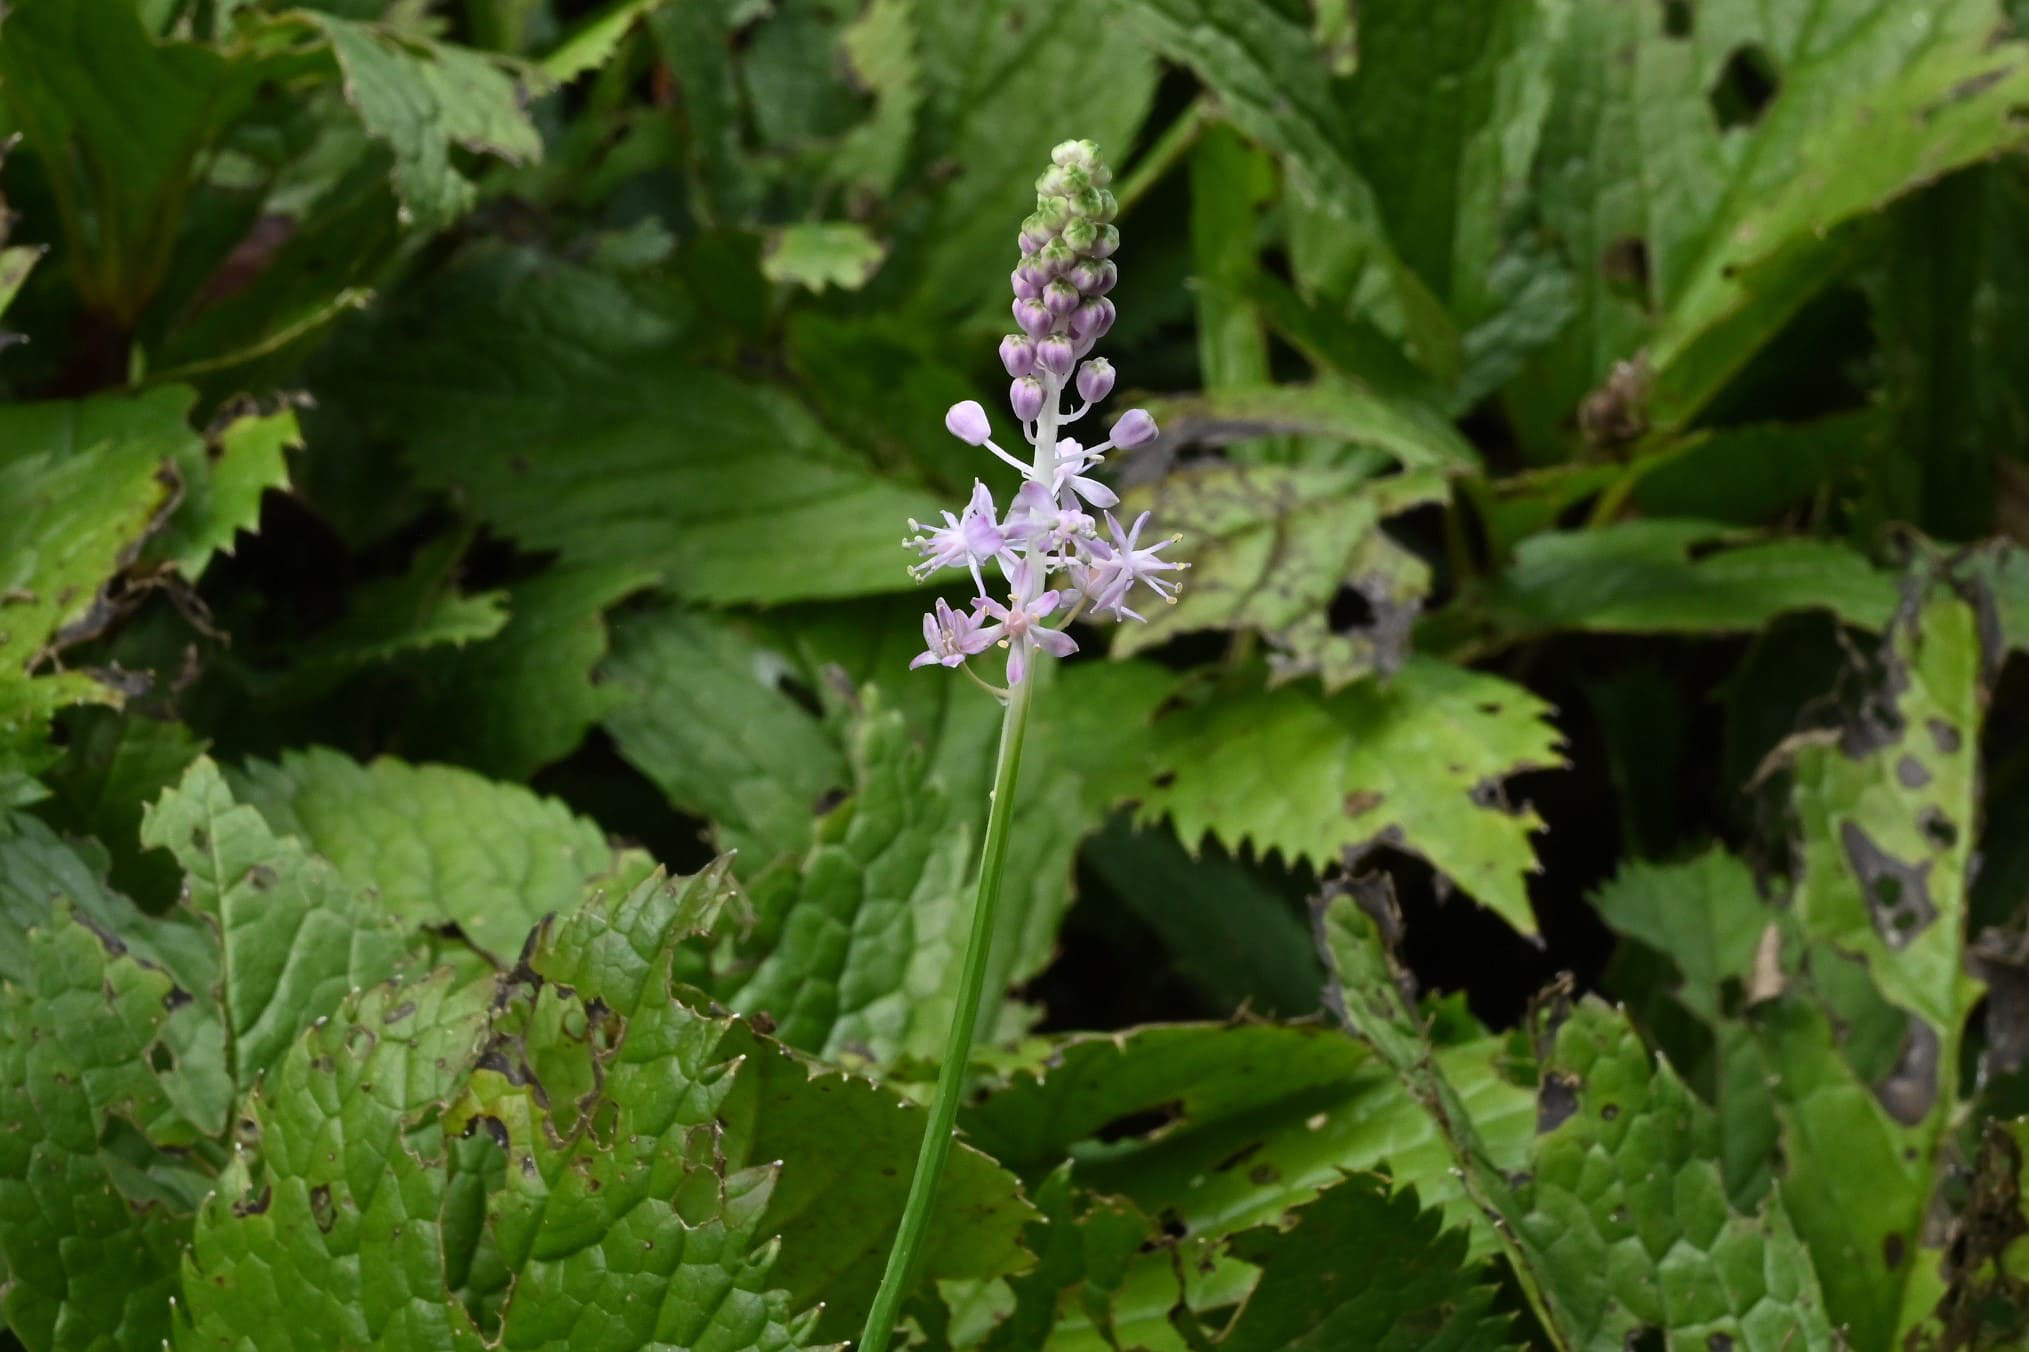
x,y
477,869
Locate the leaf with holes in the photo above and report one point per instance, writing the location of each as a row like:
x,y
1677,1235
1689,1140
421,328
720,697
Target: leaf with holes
x,y
1270,549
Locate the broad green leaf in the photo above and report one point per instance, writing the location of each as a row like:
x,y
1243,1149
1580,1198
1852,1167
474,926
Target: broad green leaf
x,y
222,481
1361,1267
1414,762
422,99
1269,549
120,162
561,406
1617,1225
332,1234
1274,85
1748,475
511,704
438,845
1697,242
706,720
857,948
87,482
1667,576
270,932
1413,434
1227,1127
38,868
880,50
987,69
114,765
91,1219
815,255
826,1142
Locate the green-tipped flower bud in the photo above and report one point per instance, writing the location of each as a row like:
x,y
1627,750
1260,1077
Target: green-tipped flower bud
x,y
1104,242
1079,236
1053,212
1056,259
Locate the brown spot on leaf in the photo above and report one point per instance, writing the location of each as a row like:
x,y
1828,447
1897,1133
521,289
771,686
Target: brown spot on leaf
x,y
1261,1175
254,1206
321,1209
1909,772
1944,735
1891,1251
1911,1087
1362,801
1556,1100
1897,894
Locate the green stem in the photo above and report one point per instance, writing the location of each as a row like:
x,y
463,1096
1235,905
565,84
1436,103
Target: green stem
x,y
897,1280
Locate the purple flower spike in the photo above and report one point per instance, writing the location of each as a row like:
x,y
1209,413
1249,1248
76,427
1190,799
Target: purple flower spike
x,y
1095,380
1025,396
1021,624
967,421
1055,355
1091,320
1023,288
1060,297
1034,320
1135,428
1018,355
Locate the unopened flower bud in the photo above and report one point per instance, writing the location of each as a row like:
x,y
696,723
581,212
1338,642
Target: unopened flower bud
x,y
1084,154
1093,277
1080,235
1017,354
1035,234
1091,319
1055,355
1108,207
1105,241
1052,212
1060,297
1095,380
1135,428
1090,203
967,421
1034,320
1025,397
1056,258
1024,289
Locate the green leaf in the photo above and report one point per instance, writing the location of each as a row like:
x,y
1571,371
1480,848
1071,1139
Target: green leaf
x,y
223,479
1617,1225
1887,810
561,406
1697,243
1269,549
705,719
848,832
91,1226
275,935
1414,763
1704,915
422,99
113,766
1274,86
594,39
518,701
814,255
1224,1127
390,617
1414,435
334,1232
438,845
986,70
120,162
1361,1267
1230,183
89,481
1669,577
858,948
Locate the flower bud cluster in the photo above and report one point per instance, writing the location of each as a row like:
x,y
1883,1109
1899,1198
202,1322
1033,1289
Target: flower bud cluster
x,y
1062,309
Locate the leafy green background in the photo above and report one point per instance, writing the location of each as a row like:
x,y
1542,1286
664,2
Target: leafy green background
x,y
476,870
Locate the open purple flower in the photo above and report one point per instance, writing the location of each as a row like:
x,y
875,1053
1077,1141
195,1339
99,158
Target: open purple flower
x,y
1120,563
962,541
1021,625
949,637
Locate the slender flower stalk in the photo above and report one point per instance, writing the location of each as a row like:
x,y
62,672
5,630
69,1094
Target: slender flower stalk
x,y
1057,566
